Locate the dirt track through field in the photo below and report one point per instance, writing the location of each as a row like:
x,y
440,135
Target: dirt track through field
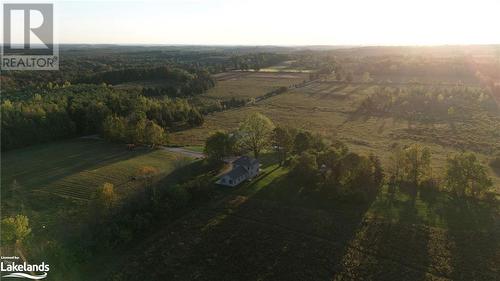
x,y
185,152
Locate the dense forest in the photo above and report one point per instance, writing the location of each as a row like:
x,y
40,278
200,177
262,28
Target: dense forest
x,y
78,110
257,61
179,82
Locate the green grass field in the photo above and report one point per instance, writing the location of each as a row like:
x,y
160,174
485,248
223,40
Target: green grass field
x,y
75,168
195,148
44,180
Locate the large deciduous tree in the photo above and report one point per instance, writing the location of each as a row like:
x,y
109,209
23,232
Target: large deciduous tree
x,y
255,133
418,163
219,145
15,229
154,134
466,175
104,200
303,141
396,165
283,140
114,128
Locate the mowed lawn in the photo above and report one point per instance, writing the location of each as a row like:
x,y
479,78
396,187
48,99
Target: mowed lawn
x,y
75,168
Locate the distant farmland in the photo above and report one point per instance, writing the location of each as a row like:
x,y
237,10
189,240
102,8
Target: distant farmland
x,y
252,84
329,108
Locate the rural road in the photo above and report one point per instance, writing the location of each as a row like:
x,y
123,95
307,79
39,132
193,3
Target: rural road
x,y
180,150
185,152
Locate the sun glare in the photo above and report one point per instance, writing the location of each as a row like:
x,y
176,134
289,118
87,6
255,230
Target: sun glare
x,y
259,22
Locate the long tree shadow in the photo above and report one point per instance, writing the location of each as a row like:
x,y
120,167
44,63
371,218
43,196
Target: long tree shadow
x,y
281,232
277,229
472,234
455,238
474,230
186,172
387,249
330,91
271,232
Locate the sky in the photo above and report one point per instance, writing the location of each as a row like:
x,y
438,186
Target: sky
x,y
279,22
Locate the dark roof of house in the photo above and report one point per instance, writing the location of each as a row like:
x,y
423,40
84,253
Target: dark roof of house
x,y
245,161
236,172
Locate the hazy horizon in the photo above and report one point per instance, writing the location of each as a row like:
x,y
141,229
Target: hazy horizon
x,y
278,23
278,45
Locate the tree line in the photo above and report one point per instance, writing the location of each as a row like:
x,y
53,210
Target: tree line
x,y
78,110
206,106
428,104
410,168
180,82
330,166
257,61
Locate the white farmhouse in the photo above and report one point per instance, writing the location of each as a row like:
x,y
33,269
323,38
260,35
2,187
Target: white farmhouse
x,y
244,168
